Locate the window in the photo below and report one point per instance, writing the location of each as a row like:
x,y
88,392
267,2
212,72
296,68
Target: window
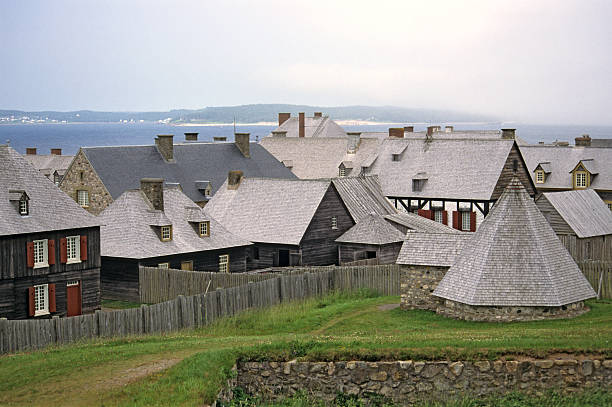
x,y
255,253
83,198
41,299
163,265
81,175
395,157
204,229
438,217
581,179
465,221
207,191
334,222
23,207
224,263
609,205
41,254
417,185
56,179
166,233
73,249
187,265
342,172
539,177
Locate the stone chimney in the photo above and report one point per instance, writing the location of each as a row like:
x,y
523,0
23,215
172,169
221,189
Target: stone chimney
x,y
31,151
217,139
302,124
396,132
282,118
191,136
165,146
449,129
408,129
279,133
353,142
153,188
508,134
56,151
318,114
233,179
583,141
242,142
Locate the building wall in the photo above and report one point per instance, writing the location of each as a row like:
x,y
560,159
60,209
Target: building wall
x,y
265,255
386,254
417,284
204,261
119,279
596,248
449,208
99,197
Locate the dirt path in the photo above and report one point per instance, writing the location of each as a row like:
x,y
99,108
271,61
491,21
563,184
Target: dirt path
x,y
387,307
128,376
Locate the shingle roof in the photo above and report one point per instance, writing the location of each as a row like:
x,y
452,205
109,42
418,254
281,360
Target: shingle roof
x,y
601,142
121,168
318,127
49,208
418,223
456,168
432,249
372,229
564,159
514,259
363,196
268,210
127,227
583,211
49,163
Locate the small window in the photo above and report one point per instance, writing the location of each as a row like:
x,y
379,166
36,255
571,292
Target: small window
x,y
204,229
207,191
81,175
24,209
41,255
334,222
72,283
41,299
370,254
395,157
610,205
465,220
342,172
56,179
166,233
539,177
83,198
73,249
417,185
187,265
438,217
581,179
163,265
224,263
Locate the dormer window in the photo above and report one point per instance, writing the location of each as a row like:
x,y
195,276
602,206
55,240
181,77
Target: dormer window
x,y
24,209
166,233
539,176
581,179
204,229
418,181
21,201
345,168
342,172
395,157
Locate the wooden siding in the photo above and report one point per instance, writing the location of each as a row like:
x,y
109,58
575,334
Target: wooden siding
x,y
597,248
119,279
385,254
203,261
268,255
552,216
508,172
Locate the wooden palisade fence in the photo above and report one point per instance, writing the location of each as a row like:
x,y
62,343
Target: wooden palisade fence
x,y
197,310
599,274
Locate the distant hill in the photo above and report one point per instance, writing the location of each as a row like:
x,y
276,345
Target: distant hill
x,y
257,113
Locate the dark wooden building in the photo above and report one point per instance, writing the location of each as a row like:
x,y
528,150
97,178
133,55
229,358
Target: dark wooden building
x,y
49,246
159,226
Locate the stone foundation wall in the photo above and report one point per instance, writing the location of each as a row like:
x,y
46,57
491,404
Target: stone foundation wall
x,y
417,284
458,310
405,382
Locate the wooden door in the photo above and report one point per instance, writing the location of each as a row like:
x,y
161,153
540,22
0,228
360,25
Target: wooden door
x,y
73,298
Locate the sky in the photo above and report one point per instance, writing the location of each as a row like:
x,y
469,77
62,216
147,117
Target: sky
x,y
531,61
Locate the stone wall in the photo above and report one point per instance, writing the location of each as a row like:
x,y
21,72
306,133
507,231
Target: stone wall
x,y
405,382
81,175
417,284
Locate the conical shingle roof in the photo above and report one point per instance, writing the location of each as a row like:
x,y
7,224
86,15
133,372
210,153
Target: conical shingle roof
x,y
514,259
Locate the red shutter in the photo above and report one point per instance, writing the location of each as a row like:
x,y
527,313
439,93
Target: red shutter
x,y
51,252
63,250
51,297
445,217
83,247
30,250
472,221
31,301
456,220
425,213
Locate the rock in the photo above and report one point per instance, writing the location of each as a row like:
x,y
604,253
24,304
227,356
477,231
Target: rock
x,y
511,366
351,365
544,364
379,376
265,373
587,367
440,384
273,365
483,365
431,370
331,368
456,368
498,365
607,364
566,362
418,366
423,386
405,364
596,364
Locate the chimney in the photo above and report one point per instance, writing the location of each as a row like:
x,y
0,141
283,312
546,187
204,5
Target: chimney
x,y
279,133
56,151
583,141
165,146
353,142
508,134
153,188
282,118
408,129
396,132
31,151
449,129
430,131
191,136
302,124
217,139
242,142
318,114
233,179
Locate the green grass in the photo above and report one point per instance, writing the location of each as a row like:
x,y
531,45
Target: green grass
x,y
117,304
188,368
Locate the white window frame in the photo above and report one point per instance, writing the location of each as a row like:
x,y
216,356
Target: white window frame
x,y
539,177
41,299
334,222
224,263
465,220
83,198
342,172
162,233
204,229
581,179
73,249
163,265
23,207
438,215
609,205
41,253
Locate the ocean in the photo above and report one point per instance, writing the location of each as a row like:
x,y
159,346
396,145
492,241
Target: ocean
x,y
69,137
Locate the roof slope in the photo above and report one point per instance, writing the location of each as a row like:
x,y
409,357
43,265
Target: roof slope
x,y
583,210
456,168
121,168
127,231
514,259
363,196
371,229
420,224
319,127
564,159
268,210
49,163
432,249
49,208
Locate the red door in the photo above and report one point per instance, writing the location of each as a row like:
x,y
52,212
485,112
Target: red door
x,y
73,298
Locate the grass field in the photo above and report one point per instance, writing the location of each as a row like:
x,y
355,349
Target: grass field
x,y
189,367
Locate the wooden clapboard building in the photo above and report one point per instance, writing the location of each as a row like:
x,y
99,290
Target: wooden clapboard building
x,y
49,246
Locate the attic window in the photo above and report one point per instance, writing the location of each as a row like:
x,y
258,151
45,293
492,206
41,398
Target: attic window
x,y
417,185
539,176
207,191
24,209
395,157
83,198
334,222
580,179
166,233
204,229
342,172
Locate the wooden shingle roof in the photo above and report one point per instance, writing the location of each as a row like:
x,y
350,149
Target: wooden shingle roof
x,y
372,229
432,249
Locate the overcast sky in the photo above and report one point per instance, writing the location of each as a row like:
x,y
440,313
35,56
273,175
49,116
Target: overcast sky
x,y
536,61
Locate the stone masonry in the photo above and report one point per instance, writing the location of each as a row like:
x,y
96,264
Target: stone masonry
x,y
417,284
406,382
